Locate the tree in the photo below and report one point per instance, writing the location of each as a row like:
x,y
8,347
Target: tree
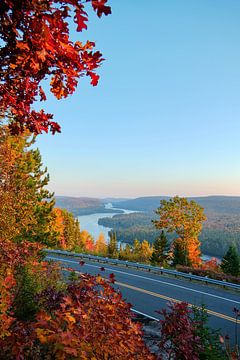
x,y
125,253
185,218
86,241
101,246
66,229
231,262
35,46
71,230
160,249
136,251
180,255
141,251
25,204
113,245
146,252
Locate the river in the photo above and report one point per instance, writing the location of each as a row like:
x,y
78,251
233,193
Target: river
x,y
90,222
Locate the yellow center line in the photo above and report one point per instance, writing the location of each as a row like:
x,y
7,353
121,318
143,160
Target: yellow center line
x,y
211,312
167,298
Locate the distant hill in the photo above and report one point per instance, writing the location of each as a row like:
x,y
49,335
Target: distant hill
x,y
69,203
83,205
211,204
219,204
115,200
146,203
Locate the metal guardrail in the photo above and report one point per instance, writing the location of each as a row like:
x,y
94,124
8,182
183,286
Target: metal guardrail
x,y
146,267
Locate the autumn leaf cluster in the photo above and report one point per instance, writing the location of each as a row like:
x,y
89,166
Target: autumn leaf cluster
x,y
35,46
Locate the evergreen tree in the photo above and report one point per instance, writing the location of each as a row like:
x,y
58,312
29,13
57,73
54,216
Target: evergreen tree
x,y
160,249
113,245
180,255
231,262
25,204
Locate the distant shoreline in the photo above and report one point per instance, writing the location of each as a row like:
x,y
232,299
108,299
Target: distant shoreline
x,y
91,211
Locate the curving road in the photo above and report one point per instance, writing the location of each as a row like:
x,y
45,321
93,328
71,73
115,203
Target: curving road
x,y
149,292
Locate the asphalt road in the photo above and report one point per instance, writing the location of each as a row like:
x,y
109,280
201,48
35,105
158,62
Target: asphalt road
x,y
149,292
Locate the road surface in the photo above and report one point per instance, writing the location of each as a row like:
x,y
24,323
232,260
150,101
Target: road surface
x,y
149,292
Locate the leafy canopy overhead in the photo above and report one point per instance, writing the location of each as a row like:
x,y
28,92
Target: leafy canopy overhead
x,y
35,45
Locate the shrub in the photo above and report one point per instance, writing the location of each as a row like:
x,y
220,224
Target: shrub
x,y
89,321
185,335
208,273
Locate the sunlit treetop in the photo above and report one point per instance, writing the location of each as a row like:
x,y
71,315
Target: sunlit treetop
x,y
35,45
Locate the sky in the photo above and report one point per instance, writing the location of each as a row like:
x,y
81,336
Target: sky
x,y
165,117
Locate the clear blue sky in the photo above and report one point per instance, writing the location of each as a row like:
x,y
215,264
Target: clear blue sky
x,y
165,117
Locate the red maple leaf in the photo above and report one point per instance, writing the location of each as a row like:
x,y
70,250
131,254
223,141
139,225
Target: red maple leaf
x,y
42,94
94,78
100,7
81,18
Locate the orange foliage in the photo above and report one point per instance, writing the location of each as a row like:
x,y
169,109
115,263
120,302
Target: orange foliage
x,y
212,265
87,241
194,252
79,324
58,227
185,218
89,326
100,247
36,45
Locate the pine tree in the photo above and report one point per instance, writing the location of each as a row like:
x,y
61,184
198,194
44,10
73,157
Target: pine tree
x,y
25,203
160,249
113,245
180,254
231,262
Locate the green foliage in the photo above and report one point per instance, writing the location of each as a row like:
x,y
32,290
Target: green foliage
x,y
231,262
210,339
31,280
25,204
125,253
43,202
73,276
219,231
71,230
180,254
25,303
181,216
186,336
113,246
160,249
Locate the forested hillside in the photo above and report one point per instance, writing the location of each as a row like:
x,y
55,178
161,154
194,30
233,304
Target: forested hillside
x,y
216,204
221,229
82,205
